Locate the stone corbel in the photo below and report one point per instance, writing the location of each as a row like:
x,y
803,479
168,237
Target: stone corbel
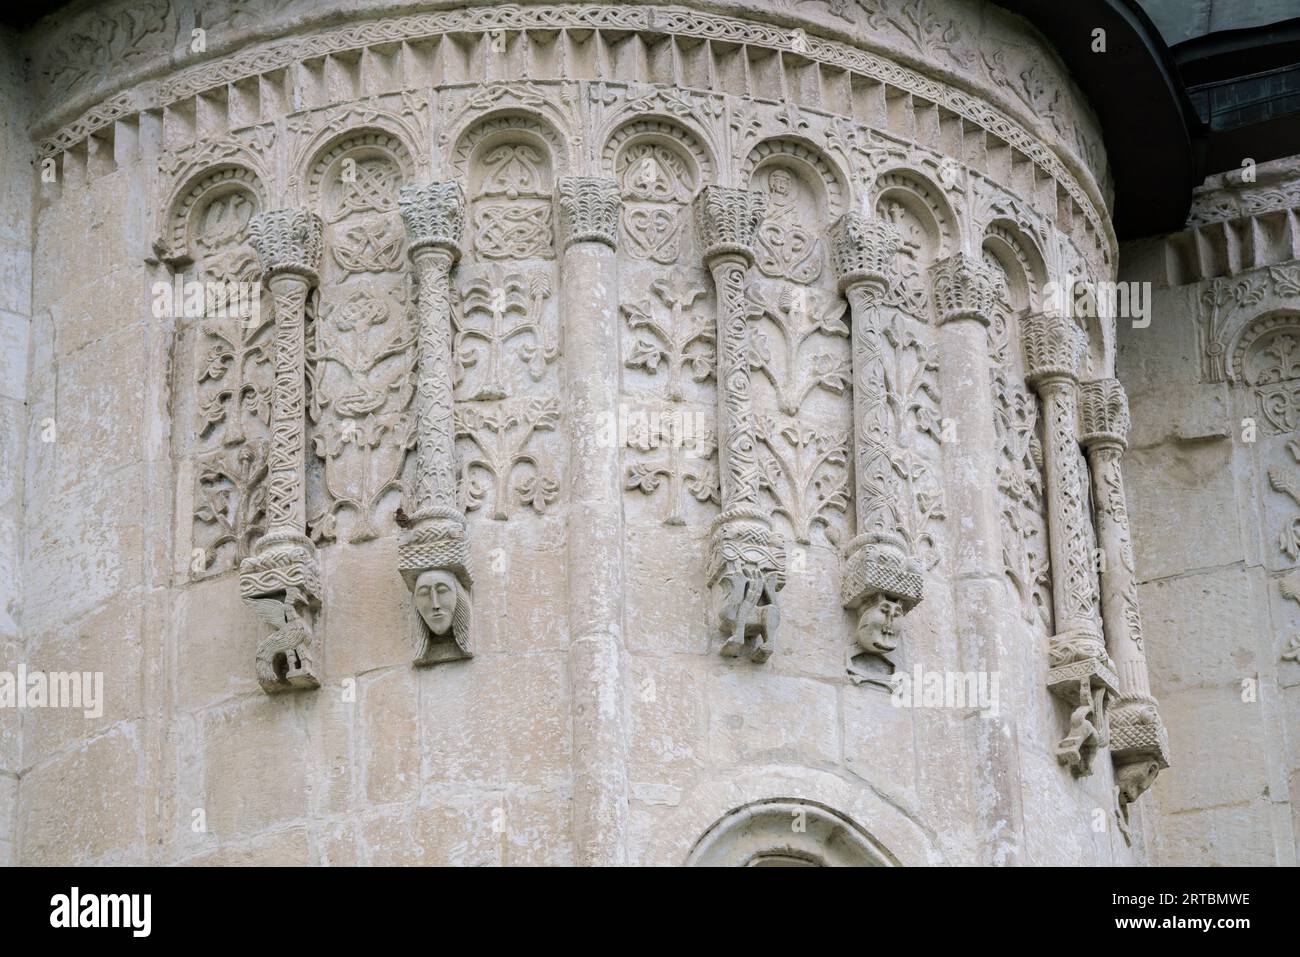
x,y
1081,671
433,552
746,563
881,580
1139,743
280,581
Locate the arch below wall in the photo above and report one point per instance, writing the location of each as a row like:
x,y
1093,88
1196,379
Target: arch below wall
x,y
787,832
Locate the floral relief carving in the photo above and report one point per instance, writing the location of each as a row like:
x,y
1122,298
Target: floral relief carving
x,y
673,332
503,470
686,465
800,317
360,353
499,306
805,470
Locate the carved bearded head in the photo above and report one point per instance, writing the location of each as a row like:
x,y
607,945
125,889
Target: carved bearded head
x,y
879,621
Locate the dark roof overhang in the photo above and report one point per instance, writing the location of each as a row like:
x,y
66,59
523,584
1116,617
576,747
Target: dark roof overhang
x,y
1148,122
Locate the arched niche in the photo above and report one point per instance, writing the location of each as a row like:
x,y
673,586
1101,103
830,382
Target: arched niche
x,y
659,166
787,832
1266,359
804,192
1020,265
210,212
509,165
358,171
928,227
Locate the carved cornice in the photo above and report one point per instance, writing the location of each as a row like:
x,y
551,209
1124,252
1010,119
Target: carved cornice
x,y
976,104
865,250
1052,348
964,288
288,241
434,215
727,220
588,210
1103,413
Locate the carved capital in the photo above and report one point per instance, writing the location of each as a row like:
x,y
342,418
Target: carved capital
x,y
1052,347
964,288
288,241
1103,413
434,215
728,220
864,250
589,209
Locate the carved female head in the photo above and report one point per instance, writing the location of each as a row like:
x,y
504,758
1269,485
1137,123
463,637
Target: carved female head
x,y
442,611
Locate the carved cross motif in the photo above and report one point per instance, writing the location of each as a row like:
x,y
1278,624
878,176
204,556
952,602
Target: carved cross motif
x,y
685,467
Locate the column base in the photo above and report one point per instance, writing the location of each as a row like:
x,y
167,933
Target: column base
x,y
281,584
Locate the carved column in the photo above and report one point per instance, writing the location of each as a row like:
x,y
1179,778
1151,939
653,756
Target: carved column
x,y
746,565
1139,744
588,211
433,554
281,580
965,295
1081,672
881,580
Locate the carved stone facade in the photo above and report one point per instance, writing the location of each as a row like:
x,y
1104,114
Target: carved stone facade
x,y
670,387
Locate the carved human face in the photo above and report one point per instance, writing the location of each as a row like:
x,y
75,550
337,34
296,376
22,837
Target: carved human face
x,y
1133,779
878,625
780,183
435,599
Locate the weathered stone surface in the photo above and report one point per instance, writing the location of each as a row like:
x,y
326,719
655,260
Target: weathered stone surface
x,y
630,369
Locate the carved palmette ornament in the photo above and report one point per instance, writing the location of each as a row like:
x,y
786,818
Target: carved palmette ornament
x,y
588,210
433,552
1082,673
746,566
964,288
281,580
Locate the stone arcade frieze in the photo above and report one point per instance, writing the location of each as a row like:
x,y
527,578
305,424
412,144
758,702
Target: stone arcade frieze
x,y
798,331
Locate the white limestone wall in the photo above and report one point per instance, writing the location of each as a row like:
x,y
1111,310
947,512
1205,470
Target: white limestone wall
x,y
16,203
1211,523
475,762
